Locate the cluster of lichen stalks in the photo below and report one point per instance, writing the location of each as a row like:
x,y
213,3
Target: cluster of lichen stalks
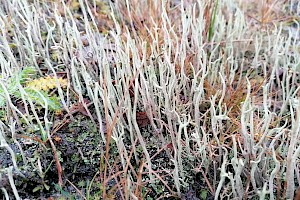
x,y
211,106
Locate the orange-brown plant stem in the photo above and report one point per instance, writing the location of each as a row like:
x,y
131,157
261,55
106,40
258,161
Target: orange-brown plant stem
x,y
58,165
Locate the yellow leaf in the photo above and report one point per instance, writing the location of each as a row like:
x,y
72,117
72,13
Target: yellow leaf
x,y
47,83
